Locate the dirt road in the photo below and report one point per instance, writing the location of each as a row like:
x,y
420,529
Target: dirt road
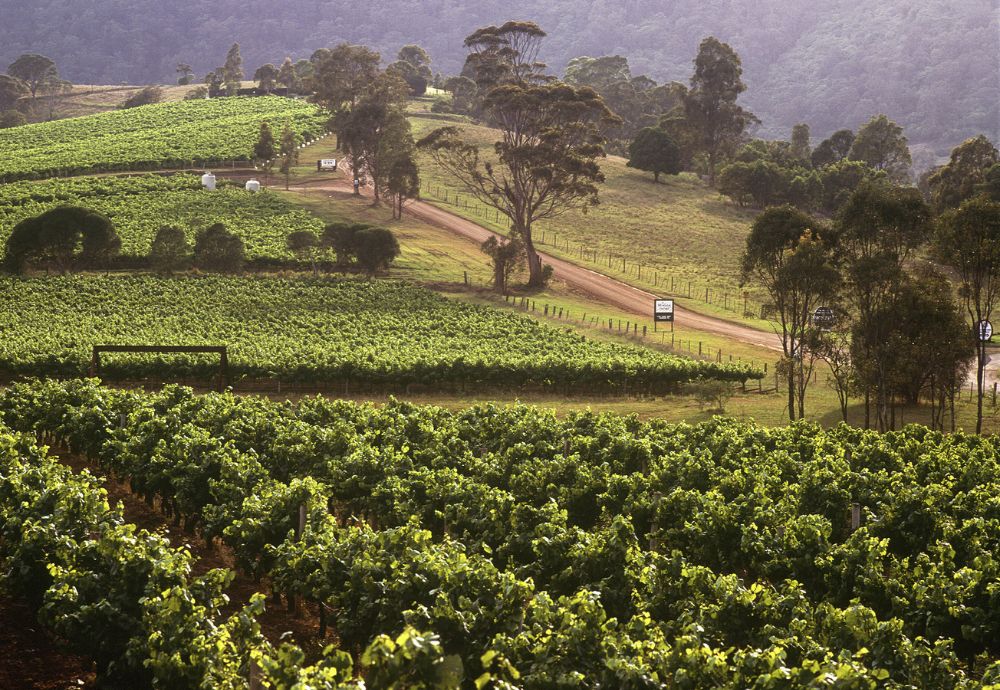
x,y
597,285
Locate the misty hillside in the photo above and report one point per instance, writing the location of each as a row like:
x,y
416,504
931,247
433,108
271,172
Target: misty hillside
x,y
934,66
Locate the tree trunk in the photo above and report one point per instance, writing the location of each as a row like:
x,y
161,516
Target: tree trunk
x,y
803,382
791,393
499,277
980,382
535,278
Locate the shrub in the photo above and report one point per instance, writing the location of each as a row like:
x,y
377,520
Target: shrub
x,y
170,250
63,237
711,393
376,248
146,96
303,244
340,237
442,105
197,93
12,118
217,249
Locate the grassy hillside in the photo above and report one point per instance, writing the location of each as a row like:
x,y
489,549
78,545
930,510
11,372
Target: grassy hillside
x,y
677,238
90,99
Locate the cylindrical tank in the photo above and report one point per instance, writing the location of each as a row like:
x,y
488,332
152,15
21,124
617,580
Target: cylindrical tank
x,y
253,186
208,181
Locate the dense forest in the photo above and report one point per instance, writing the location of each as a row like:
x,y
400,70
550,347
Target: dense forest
x,y
931,66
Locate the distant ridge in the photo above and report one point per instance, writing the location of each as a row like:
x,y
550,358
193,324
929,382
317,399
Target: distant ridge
x,y
933,66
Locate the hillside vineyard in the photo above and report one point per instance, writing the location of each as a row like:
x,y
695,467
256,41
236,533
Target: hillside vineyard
x,y
369,333
195,133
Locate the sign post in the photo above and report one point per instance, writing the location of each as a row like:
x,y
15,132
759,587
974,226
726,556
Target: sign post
x,y
326,164
663,311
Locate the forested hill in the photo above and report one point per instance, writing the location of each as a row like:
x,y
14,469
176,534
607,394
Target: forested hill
x,y
932,65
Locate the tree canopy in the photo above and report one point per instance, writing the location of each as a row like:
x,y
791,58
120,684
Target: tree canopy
x,y
653,150
62,238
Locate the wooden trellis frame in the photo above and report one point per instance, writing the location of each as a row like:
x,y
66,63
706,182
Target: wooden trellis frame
x,y
95,359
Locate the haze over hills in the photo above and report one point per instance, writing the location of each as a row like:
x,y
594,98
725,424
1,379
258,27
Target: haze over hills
x,y
933,66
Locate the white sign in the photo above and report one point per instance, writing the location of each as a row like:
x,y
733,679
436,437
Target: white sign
x,y
824,317
663,310
984,330
326,164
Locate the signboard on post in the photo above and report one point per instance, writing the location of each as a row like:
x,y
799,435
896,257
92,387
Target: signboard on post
x,y
824,318
984,331
326,164
663,310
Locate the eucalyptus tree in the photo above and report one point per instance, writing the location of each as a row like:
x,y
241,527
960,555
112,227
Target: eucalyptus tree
x,y
550,137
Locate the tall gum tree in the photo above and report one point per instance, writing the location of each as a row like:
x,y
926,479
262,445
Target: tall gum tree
x,y
881,144
877,230
965,172
788,255
968,240
546,159
710,104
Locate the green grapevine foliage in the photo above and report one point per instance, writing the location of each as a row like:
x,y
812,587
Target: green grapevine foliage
x,y
179,134
384,333
140,205
650,555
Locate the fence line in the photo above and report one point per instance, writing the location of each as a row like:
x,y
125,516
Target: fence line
x,y
738,303
696,349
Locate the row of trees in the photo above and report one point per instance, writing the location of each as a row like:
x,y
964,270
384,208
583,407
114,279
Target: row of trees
x,y
351,245
73,238
267,152
367,107
297,77
894,332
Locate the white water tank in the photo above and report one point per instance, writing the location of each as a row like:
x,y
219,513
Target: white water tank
x,y
208,181
253,186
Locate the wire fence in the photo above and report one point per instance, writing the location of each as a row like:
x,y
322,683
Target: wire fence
x,y
732,300
656,334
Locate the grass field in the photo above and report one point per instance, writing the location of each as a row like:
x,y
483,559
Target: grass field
x,y
90,99
676,238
